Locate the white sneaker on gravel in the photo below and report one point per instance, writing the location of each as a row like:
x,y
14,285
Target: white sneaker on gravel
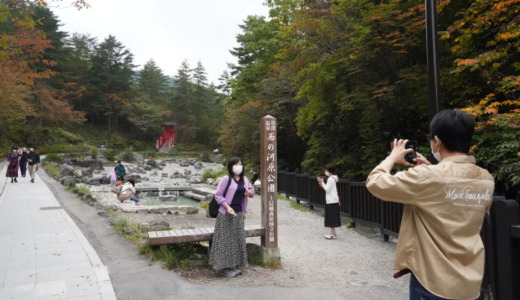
x,y
330,237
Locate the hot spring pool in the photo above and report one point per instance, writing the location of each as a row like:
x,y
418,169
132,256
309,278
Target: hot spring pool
x,y
165,196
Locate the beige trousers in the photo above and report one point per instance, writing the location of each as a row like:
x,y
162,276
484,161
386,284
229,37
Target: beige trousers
x,y
32,170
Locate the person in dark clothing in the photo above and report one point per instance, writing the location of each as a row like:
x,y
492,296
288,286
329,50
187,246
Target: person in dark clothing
x,y
120,170
23,161
34,163
12,164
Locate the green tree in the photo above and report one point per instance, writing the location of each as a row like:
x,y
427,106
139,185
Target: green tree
x,y
110,78
153,82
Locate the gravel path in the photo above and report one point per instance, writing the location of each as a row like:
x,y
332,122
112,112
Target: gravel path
x,y
355,262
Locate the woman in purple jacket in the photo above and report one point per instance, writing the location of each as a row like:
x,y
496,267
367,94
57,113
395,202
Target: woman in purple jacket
x,y
228,249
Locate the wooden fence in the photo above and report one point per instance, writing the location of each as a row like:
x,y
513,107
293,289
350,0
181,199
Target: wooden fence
x,y
500,231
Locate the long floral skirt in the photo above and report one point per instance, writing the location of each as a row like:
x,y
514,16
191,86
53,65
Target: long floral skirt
x,y
228,249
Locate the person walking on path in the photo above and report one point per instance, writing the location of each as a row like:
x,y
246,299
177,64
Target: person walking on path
x,y
228,250
444,208
332,218
23,161
34,163
13,164
120,170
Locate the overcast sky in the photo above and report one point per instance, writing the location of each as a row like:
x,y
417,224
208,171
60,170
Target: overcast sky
x,y
167,31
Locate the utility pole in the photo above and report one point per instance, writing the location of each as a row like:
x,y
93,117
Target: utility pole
x,y
432,51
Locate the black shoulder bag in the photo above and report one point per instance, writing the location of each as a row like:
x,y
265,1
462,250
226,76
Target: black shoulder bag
x,y
213,205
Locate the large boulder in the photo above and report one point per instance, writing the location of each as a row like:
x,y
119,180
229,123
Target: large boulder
x,y
69,180
138,158
195,179
157,225
101,158
66,170
77,173
152,163
135,177
97,180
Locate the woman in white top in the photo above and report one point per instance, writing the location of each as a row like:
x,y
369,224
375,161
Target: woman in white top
x,y
332,218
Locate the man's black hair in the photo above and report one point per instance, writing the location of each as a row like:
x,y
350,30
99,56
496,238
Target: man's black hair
x,y
232,161
454,128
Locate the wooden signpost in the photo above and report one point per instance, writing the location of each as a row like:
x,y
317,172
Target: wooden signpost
x,y
268,178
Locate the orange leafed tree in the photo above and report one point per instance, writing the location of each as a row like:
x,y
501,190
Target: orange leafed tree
x,y
21,47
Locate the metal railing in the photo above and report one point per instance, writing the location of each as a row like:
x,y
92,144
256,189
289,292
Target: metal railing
x,y
500,232
356,202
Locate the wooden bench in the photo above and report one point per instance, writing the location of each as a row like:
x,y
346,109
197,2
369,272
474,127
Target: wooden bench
x,y
165,237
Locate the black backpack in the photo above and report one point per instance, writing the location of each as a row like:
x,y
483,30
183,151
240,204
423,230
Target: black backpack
x,y
213,205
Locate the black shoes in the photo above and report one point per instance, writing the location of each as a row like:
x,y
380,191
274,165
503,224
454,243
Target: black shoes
x,y
15,180
32,180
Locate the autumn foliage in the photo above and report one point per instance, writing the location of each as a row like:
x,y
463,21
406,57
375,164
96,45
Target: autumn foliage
x,y
24,97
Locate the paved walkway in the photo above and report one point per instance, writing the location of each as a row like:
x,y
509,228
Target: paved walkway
x,y
43,254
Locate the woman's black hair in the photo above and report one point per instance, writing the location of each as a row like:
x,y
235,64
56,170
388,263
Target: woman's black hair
x,y
454,128
14,148
331,168
132,181
232,161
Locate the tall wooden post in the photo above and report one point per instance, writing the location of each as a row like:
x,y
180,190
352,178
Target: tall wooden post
x,y
268,178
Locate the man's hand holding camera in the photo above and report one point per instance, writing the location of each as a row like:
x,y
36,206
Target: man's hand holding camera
x,y
399,152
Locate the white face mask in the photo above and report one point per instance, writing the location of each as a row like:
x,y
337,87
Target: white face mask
x,y
437,155
15,151
327,173
237,169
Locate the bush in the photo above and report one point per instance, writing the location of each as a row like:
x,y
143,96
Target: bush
x,y
177,256
62,148
116,142
127,156
111,154
213,174
53,157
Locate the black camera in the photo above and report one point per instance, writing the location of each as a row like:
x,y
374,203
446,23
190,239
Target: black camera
x,y
409,157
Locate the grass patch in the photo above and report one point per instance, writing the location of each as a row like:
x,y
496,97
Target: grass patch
x,y
299,206
256,260
53,157
52,169
82,190
274,263
204,205
130,231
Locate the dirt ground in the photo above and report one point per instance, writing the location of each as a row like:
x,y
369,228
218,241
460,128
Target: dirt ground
x,y
357,261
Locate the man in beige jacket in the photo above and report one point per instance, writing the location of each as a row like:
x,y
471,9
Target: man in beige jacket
x,y
445,204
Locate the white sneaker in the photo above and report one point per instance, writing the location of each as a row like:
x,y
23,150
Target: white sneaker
x,y
330,237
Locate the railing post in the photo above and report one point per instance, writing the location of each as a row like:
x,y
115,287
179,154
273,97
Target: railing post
x,y
505,213
350,201
296,172
309,189
382,220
